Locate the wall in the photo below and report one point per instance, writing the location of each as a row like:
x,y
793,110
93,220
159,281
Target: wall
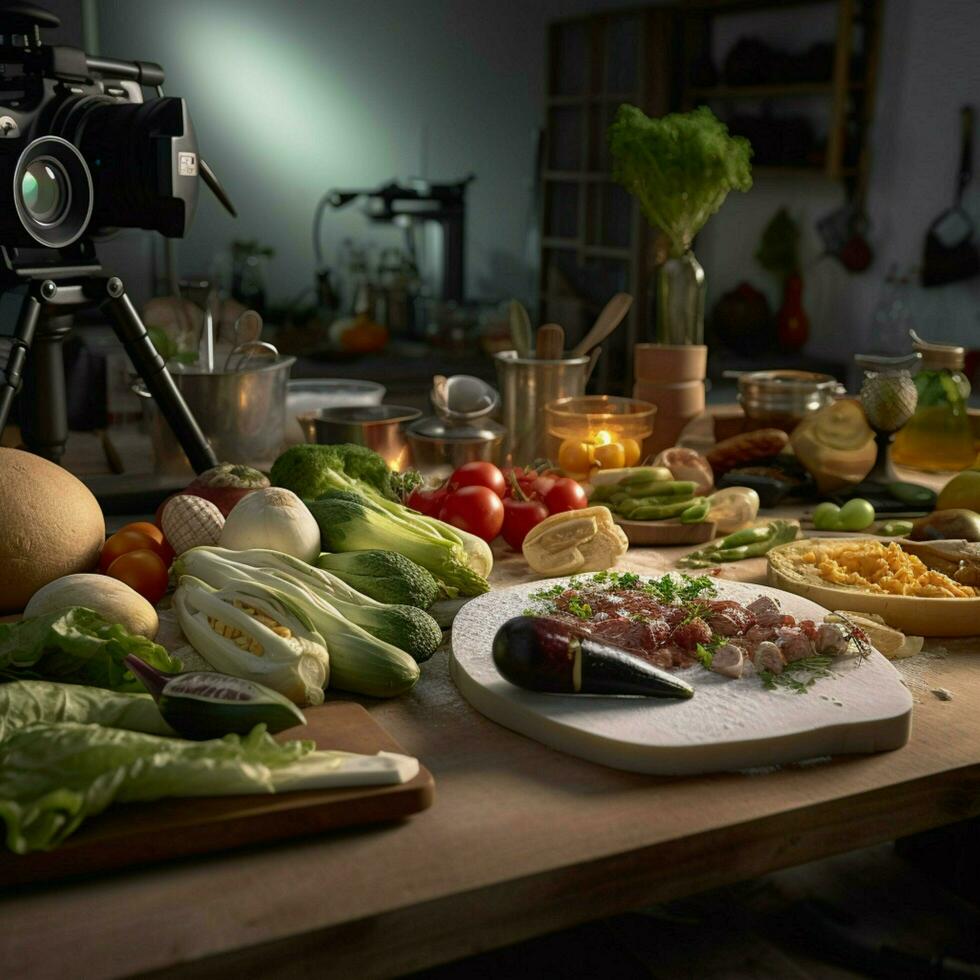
x,y
929,67
293,99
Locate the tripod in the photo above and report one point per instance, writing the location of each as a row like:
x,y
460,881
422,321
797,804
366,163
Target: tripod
x,y
50,298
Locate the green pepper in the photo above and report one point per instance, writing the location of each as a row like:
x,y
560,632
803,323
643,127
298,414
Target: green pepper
x,y
658,501
697,511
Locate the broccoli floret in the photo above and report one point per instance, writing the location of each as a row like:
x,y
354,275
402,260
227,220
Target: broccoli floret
x,y
383,575
310,470
350,522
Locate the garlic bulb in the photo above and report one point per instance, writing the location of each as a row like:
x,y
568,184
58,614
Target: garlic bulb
x,y
274,519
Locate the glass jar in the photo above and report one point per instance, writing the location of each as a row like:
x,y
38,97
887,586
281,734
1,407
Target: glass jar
x,y
939,435
680,291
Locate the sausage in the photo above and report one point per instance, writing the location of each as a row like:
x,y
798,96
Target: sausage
x,y
747,447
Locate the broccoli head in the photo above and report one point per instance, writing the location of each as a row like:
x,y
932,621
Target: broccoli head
x,y
311,470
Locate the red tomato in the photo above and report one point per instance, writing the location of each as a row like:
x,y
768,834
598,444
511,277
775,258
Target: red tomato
x,y
428,502
161,545
122,542
519,517
144,571
479,474
474,509
565,494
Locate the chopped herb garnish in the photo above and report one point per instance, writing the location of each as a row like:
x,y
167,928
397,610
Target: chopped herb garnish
x,y
704,655
579,608
694,587
798,675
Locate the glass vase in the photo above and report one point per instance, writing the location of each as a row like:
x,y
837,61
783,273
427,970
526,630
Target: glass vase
x,y
680,293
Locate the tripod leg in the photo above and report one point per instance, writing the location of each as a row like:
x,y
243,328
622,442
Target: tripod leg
x,y
20,345
44,413
130,330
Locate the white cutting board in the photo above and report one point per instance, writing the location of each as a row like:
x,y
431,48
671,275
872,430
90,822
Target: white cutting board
x,y
727,725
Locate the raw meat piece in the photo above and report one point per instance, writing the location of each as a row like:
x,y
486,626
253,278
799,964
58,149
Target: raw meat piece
x,y
728,660
766,611
689,635
769,657
794,644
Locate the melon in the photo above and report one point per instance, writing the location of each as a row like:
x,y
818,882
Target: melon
x,y
50,525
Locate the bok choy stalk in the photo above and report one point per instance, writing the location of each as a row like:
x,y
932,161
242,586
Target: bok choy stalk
x,y
359,662
255,631
351,521
405,627
313,471
54,776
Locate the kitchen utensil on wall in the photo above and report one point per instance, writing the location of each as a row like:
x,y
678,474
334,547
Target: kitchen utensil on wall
x,y
607,321
526,385
241,412
520,328
379,427
950,254
550,342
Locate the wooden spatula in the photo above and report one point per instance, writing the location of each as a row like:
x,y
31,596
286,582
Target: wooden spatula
x,y
611,317
550,342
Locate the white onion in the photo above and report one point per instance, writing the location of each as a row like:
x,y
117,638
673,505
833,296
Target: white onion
x,y
274,519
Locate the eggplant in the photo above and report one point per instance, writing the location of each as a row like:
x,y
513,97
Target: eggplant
x,y
203,704
541,654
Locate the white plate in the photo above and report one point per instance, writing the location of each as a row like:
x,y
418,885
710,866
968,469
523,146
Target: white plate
x,y
727,725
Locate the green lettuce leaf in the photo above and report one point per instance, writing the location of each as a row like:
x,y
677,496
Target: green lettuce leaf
x,y
52,777
24,703
76,646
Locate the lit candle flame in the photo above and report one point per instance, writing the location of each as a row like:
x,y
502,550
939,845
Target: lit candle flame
x,y
602,438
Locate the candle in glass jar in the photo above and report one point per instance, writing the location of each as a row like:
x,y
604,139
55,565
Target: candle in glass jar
x,y
601,450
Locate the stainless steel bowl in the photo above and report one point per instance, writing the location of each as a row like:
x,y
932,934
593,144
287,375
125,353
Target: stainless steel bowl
x,y
379,427
439,446
782,399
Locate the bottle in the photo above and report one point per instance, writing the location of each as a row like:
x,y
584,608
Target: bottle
x,y
792,323
938,436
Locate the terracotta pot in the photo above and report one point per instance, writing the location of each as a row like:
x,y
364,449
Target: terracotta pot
x,y
670,363
681,400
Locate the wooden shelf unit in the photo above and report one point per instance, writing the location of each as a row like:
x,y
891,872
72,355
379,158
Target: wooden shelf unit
x,y
850,90
594,240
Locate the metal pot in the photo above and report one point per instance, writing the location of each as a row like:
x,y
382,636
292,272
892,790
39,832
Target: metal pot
x,y
438,446
783,398
242,414
379,427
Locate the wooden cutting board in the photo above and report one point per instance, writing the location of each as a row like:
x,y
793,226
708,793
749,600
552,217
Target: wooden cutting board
x,y
141,833
651,534
727,725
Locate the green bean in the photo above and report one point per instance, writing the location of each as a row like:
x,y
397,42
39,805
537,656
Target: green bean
x,y
748,535
697,511
671,488
626,507
658,500
730,554
646,474
603,492
896,529
659,512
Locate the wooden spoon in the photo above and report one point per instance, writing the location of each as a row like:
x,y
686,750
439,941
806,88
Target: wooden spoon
x,y
611,317
550,342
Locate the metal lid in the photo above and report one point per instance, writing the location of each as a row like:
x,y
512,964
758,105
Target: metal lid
x,y
479,430
938,357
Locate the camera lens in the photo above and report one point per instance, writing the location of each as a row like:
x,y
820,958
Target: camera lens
x,y
53,192
45,190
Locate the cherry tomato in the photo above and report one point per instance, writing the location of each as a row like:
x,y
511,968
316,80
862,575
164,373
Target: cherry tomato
x,y
566,494
474,509
122,542
161,545
478,474
520,516
144,571
428,501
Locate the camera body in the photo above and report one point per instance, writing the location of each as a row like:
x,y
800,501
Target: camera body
x,y
82,152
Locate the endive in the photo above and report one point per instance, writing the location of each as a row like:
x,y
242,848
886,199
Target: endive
x,y
252,630
359,662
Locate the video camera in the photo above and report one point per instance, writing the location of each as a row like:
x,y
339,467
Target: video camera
x,y
82,154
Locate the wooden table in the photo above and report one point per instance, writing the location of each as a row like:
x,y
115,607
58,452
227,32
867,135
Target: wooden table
x,y
521,840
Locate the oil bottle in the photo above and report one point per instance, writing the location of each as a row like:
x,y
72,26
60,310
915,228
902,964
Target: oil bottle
x,y
938,436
